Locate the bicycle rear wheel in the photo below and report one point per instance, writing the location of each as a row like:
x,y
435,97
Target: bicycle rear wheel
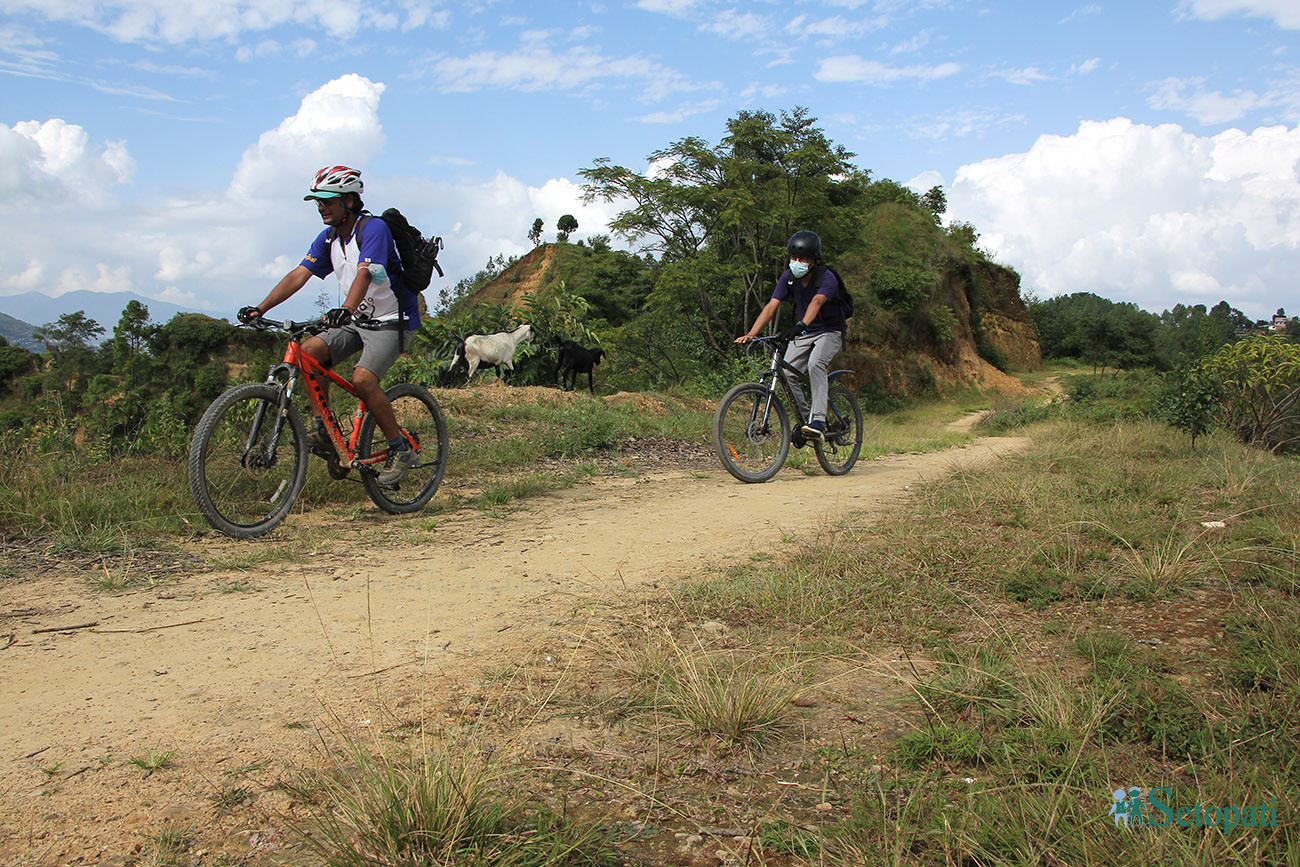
x,y
839,452
752,438
246,467
420,416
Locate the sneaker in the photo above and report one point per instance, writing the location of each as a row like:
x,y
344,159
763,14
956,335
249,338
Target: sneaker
x,y
318,440
396,466
815,430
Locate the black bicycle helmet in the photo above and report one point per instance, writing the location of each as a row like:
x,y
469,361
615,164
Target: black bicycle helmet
x,y
804,245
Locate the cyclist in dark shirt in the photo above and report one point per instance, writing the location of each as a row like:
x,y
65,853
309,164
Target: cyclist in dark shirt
x,y
818,332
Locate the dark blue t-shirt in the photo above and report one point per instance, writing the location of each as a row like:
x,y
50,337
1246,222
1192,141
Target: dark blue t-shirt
x,y
831,317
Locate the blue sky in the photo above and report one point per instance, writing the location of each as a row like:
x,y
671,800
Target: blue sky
x,y
1144,151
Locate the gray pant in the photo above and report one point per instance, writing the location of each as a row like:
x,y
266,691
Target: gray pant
x,y
812,353
379,347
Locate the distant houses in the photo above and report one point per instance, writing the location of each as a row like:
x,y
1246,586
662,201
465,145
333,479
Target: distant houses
x,y
1276,325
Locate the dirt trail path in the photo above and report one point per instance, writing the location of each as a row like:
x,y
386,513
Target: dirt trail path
x,y
230,679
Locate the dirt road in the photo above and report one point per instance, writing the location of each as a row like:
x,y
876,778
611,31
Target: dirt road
x,y
233,672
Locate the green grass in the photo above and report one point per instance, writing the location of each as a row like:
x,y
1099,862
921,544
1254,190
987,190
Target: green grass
x,y
431,809
77,502
154,759
168,847
1029,584
726,697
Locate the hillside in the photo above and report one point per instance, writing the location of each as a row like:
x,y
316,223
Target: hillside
x,y
19,333
103,307
524,276
990,319
890,350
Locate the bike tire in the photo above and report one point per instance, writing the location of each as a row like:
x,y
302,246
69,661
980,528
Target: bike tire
x,y
839,451
751,450
237,489
419,414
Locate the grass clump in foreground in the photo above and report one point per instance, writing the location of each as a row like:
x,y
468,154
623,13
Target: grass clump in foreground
x,y
730,698
432,810
1108,609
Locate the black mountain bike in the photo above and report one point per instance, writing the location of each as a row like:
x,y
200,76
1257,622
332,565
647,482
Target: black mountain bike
x,y
751,428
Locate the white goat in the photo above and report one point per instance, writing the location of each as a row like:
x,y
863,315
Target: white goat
x,y
491,349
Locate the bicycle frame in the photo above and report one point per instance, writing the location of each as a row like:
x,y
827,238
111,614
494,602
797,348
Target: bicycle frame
x,y
769,378
298,361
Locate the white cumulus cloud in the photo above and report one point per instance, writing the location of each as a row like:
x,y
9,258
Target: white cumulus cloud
x,y
53,161
1150,214
337,124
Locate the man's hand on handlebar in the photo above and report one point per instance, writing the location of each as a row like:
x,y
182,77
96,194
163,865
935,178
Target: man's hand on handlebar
x,y
248,314
338,317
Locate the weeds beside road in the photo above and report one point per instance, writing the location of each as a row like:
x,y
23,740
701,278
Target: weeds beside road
x,y
965,678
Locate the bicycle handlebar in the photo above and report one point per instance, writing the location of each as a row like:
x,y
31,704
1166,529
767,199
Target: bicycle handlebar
x,y
309,326
770,344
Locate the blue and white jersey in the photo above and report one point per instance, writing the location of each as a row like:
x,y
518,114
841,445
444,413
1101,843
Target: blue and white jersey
x,y
384,300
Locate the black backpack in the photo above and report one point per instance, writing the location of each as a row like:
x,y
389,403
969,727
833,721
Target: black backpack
x,y
418,256
845,299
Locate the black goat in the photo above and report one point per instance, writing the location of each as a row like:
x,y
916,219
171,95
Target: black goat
x,y
574,359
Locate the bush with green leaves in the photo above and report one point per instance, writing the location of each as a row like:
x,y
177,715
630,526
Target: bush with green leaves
x,y
1260,377
1189,401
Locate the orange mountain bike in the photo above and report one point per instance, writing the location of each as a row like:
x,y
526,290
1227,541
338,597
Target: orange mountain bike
x,y
248,457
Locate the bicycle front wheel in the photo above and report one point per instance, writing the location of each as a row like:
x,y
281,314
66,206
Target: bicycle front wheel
x,y
839,451
247,465
751,432
420,416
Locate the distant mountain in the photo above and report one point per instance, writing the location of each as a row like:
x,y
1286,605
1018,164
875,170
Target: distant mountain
x,y
19,333
103,307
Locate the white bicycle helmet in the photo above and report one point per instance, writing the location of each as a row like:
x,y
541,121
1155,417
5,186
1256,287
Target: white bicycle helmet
x,y
333,181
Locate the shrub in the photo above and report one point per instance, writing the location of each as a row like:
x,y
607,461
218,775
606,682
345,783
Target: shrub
x,y
1189,400
1260,377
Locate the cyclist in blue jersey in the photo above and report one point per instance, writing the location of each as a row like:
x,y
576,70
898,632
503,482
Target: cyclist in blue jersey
x,y
360,251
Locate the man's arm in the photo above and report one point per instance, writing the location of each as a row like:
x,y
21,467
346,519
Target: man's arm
x,y
764,316
357,292
814,309
289,284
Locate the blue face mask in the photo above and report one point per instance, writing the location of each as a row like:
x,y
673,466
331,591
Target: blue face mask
x,y
799,269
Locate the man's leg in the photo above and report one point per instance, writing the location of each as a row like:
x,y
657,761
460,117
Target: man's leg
x,y
824,348
796,354
318,438
380,349
319,350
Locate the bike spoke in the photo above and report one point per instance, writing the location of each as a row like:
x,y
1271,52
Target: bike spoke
x,y
423,424
751,433
247,463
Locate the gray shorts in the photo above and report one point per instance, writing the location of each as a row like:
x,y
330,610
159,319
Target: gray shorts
x,y
379,347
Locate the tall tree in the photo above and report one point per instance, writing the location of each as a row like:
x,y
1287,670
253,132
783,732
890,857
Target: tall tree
x,y
935,201
719,216
535,233
69,331
564,226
